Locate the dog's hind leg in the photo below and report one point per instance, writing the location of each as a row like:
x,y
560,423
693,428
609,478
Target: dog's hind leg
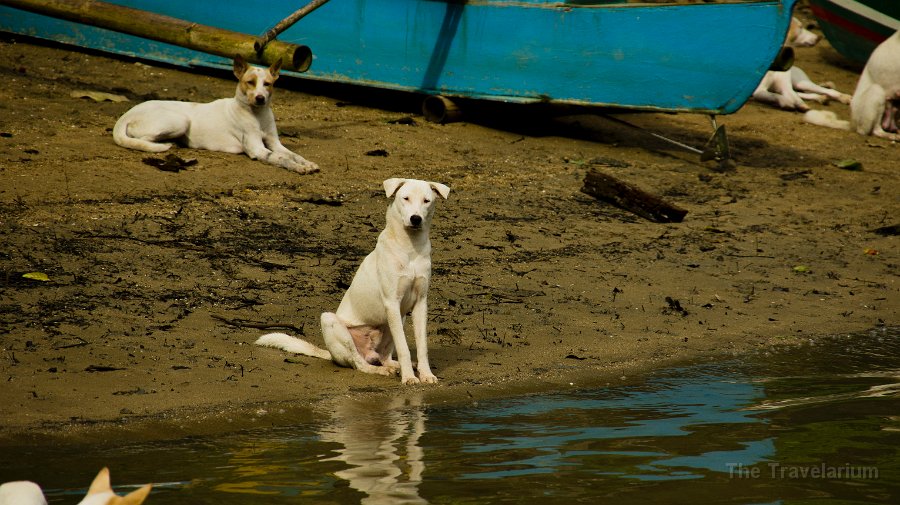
x,y
887,128
343,350
809,90
813,97
889,121
867,110
146,128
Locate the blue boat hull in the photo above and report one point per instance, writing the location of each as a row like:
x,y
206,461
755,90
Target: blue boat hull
x,y
690,57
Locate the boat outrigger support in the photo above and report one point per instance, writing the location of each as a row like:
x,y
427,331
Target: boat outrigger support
x,y
716,148
178,32
285,23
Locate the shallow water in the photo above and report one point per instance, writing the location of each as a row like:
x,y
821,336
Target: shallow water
x,y
816,424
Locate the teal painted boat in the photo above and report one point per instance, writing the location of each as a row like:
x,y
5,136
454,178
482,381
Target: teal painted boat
x,y
705,57
855,27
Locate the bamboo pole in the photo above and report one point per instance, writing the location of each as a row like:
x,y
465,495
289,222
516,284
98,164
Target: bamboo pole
x,y
286,23
440,109
179,32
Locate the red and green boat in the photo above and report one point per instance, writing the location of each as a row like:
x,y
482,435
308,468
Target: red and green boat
x,y
855,27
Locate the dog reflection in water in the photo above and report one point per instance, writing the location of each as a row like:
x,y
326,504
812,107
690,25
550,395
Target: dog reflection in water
x,y
381,445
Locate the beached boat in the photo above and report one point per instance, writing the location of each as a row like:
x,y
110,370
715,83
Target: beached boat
x,y
855,27
704,58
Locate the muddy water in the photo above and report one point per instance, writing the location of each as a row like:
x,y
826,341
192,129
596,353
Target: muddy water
x,y
820,423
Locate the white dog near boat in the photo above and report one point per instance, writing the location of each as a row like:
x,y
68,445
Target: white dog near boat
x,y
873,109
243,124
799,36
391,282
789,88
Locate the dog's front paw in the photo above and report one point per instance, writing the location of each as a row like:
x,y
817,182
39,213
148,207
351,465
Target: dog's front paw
x,y
307,167
428,378
293,162
412,380
301,165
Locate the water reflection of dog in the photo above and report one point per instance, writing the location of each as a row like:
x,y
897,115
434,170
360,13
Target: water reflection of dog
x,y
381,444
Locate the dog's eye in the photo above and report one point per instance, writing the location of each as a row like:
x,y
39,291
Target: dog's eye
x,y
405,198
252,82
267,84
427,200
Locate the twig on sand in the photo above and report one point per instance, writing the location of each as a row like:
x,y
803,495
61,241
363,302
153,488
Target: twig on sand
x,y
243,323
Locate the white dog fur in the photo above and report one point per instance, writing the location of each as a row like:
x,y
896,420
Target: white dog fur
x,y
787,89
100,493
391,282
873,109
243,124
21,492
799,36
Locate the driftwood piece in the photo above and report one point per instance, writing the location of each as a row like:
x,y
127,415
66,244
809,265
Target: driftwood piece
x,y
631,198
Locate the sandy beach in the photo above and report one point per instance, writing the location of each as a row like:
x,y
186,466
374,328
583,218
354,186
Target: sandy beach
x,y
153,284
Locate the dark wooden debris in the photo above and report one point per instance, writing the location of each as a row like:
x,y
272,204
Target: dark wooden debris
x,y
631,198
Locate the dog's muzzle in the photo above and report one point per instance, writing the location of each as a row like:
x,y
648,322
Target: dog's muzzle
x,y
260,100
415,220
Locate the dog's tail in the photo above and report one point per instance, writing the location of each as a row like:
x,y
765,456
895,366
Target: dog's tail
x,y
826,118
120,135
292,344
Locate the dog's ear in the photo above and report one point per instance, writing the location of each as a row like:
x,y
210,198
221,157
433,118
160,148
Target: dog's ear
x,y
392,185
135,497
275,68
101,483
440,188
240,66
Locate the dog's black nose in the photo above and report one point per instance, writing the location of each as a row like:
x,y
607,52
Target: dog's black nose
x,y
260,99
415,220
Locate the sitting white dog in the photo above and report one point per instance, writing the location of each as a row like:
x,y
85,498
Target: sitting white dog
x,y
873,110
391,282
243,124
